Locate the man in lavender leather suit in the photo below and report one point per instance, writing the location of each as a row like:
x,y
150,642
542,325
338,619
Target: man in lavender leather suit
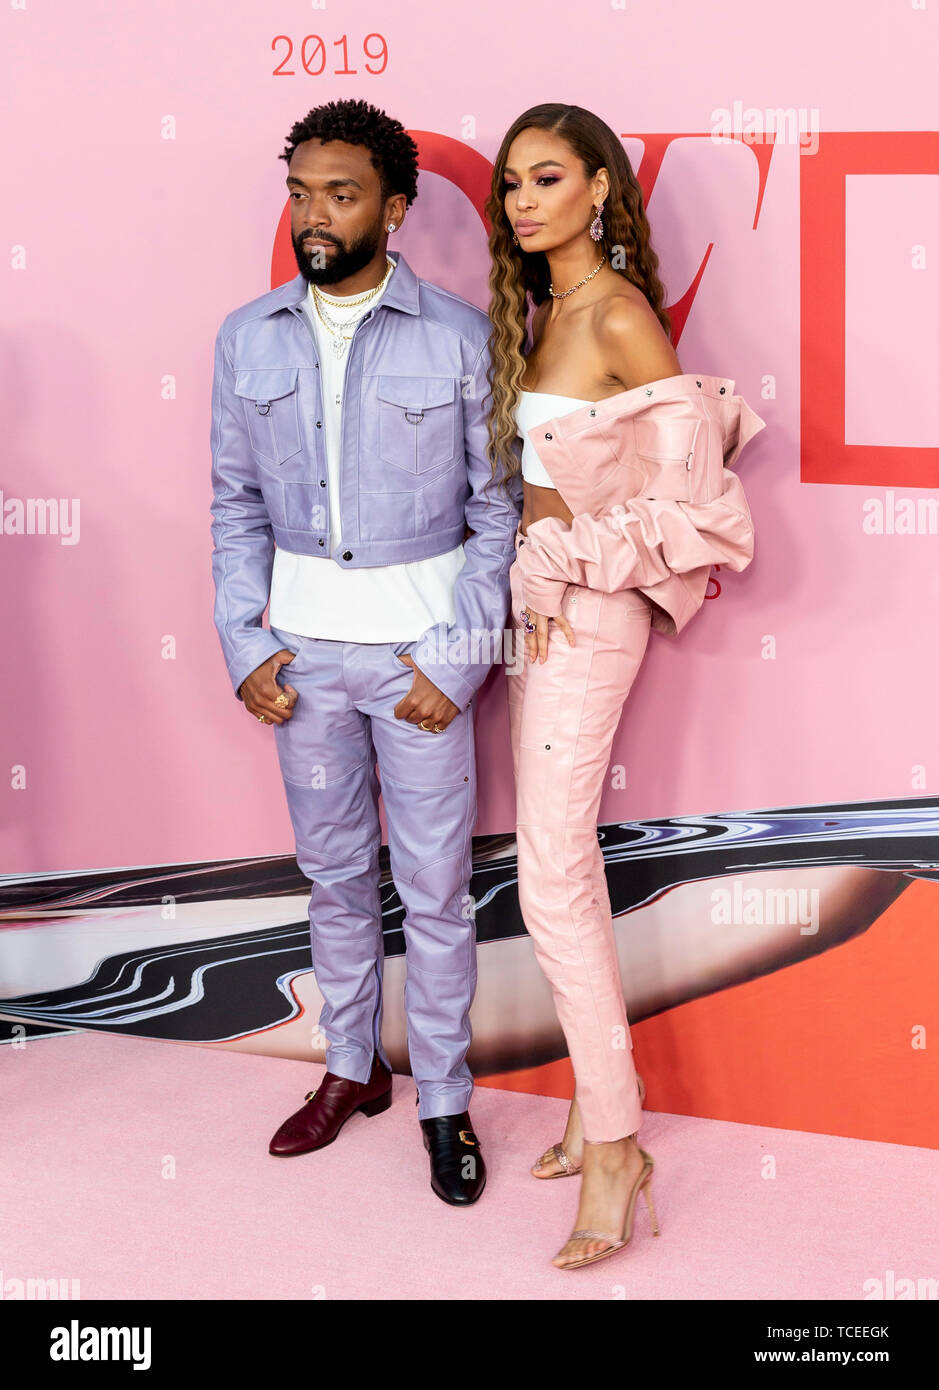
x,y
349,428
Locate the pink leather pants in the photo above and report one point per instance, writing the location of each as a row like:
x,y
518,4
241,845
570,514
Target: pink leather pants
x,y
563,715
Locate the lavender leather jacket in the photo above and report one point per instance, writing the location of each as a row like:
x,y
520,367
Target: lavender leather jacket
x,y
647,475
414,471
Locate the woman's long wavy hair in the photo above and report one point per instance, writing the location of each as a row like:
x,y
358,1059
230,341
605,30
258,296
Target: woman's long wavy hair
x,y
516,273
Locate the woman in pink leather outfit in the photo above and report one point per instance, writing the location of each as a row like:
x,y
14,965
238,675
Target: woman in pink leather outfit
x,y
628,501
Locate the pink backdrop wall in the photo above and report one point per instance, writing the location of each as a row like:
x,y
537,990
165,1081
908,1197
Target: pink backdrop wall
x,y
126,249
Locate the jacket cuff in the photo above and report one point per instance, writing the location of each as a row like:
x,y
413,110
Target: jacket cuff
x,y
458,680
545,596
254,654
448,679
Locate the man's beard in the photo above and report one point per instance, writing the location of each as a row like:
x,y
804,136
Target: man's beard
x,y
339,264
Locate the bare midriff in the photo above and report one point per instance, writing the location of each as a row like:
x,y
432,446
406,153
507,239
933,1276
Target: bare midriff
x,y
539,502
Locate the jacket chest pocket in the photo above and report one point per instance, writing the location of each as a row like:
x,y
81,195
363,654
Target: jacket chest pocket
x,y
417,421
673,456
272,413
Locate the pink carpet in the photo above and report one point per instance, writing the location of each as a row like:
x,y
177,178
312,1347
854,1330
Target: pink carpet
x,y
92,1123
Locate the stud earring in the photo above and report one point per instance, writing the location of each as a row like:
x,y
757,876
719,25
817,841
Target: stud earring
x,y
596,226
391,226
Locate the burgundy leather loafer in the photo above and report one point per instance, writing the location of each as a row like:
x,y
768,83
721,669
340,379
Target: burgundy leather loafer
x,y
328,1107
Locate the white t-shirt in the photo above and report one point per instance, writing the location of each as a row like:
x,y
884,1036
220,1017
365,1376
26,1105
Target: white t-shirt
x,y
312,595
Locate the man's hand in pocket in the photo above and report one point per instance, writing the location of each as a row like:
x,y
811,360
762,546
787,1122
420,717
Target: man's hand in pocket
x,y
261,692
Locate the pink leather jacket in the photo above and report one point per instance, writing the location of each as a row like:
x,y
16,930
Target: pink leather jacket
x,y
647,476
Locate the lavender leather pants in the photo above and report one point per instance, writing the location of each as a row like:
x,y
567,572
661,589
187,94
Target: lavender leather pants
x,y
342,726
563,715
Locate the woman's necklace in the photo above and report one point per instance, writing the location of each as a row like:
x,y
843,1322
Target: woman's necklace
x,y
564,293
340,340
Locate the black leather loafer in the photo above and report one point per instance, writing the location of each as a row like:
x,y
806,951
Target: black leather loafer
x,y
457,1170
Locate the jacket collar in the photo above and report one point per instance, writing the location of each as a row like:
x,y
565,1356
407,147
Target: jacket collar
x,y
402,291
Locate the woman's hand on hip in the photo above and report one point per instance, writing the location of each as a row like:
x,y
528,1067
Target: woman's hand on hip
x,y
536,643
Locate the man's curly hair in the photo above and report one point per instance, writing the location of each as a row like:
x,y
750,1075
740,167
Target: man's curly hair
x,y
393,152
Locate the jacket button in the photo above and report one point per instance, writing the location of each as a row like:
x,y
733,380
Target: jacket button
x,y
548,436
319,424
322,542
699,383
593,412
347,554
322,482
723,389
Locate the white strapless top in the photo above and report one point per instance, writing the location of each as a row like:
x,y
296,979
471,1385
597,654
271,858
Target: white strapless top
x,y
534,407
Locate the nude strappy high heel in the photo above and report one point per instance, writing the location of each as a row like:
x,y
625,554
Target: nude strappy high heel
x,y
569,1169
642,1184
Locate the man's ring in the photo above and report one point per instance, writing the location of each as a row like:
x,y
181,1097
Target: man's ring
x,y
282,700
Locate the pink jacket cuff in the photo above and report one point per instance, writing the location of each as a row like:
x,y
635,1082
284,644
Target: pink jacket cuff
x,y
543,595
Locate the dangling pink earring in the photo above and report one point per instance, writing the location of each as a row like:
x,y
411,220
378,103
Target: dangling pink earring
x,y
596,226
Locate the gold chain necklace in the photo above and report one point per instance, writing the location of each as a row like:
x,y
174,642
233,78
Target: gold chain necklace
x,y
562,294
340,340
